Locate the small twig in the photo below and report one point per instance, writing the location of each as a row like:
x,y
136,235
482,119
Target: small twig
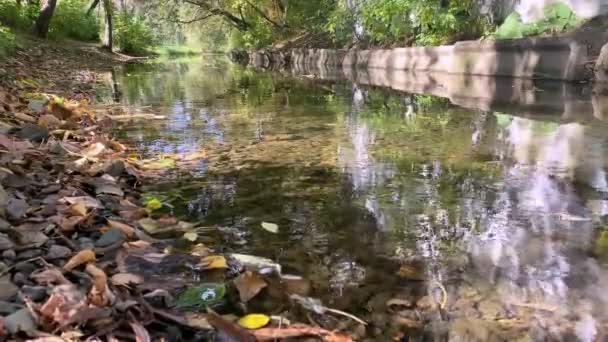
x,y
38,258
346,314
444,294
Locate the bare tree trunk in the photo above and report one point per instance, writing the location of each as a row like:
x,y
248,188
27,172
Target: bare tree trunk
x,y
107,39
43,22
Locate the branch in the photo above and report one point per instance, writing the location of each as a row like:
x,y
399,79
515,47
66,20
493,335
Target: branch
x,y
92,7
261,13
191,20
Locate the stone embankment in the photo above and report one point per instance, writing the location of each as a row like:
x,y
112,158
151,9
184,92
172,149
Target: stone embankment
x,y
551,58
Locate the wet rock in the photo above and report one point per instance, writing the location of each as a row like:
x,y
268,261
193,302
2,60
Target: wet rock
x,y
58,252
25,267
114,167
7,308
29,254
35,293
9,254
30,235
86,243
16,209
6,242
32,133
16,181
20,279
7,288
4,225
111,237
20,321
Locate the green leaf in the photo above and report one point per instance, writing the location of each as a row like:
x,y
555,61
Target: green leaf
x,y
153,204
201,296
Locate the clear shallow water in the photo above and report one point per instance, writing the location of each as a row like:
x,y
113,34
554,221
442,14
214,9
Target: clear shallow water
x,y
504,212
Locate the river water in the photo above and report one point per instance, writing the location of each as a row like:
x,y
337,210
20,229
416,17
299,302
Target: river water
x,y
428,220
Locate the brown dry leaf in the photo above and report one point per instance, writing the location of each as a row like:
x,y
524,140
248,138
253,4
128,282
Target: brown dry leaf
x,y
249,285
49,121
94,150
97,296
88,201
61,111
299,330
233,331
133,214
126,279
25,117
77,209
125,228
67,224
82,257
141,334
50,276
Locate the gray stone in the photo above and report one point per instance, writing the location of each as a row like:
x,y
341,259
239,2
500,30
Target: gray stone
x,y
32,132
20,279
111,237
35,293
9,254
7,308
58,252
28,254
3,201
20,321
7,288
6,242
4,225
86,243
16,209
36,106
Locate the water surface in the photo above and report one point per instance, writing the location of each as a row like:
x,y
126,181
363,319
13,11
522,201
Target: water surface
x,y
382,194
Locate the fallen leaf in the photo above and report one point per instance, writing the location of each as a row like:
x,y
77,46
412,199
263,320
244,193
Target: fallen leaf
x,y
255,263
249,284
233,331
141,334
50,276
97,295
25,117
197,320
153,204
94,150
214,262
125,228
150,225
299,330
63,304
109,189
126,279
191,236
88,201
82,257
67,224
253,321
49,121
77,209
271,227
200,250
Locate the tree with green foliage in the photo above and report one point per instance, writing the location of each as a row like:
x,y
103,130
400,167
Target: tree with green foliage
x,y
47,8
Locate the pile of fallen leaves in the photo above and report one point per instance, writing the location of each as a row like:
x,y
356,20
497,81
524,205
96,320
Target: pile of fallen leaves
x,y
85,257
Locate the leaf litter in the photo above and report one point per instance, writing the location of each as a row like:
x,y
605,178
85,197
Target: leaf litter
x,y
69,187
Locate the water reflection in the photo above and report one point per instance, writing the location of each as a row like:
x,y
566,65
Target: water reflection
x,y
505,213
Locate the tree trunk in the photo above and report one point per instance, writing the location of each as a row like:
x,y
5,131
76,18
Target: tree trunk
x,y
106,40
44,18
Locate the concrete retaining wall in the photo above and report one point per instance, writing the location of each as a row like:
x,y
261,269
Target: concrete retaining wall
x,y
545,58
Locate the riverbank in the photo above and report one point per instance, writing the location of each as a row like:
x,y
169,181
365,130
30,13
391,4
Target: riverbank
x,y
83,251
574,56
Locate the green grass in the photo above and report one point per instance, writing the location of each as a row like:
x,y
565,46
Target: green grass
x,y
176,51
7,41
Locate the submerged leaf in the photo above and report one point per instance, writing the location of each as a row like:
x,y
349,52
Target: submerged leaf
x,y
253,321
191,236
202,295
249,285
83,257
271,227
214,262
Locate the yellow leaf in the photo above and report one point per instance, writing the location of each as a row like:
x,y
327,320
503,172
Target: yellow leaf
x,y
191,236
78,209
253,321
153,204
214,262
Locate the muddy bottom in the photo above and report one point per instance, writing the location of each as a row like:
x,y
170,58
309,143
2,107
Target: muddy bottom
x,y
426,220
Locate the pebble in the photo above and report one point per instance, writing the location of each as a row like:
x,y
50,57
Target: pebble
x,y
16,209
25,267
4,225
6,243
7,288
9,254
20,321
7,308
86,243
19,279
36,293
32,132
111,237
28,254
58,252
